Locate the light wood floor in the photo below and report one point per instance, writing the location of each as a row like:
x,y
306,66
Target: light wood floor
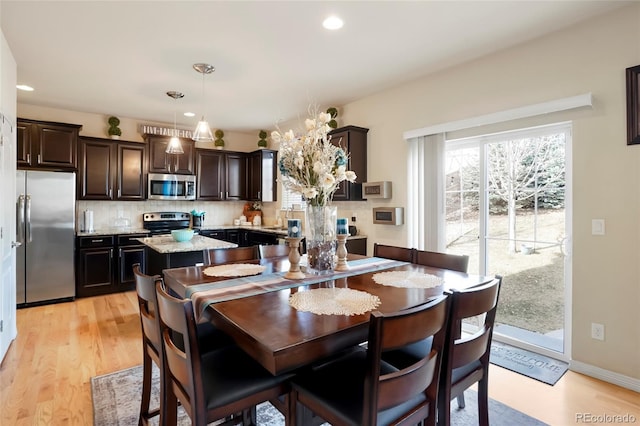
x,y
44,379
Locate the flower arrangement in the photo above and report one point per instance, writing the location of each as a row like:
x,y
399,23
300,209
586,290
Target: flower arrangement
x,y
310,164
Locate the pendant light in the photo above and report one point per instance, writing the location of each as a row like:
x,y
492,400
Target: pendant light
x,y
174,146
203,131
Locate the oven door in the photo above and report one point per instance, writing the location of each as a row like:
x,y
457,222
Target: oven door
x,y
171,187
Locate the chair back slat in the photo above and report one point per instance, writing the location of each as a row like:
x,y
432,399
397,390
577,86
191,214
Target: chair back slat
x,y
148,302
471,349
273,250
449,261
219,256
393,252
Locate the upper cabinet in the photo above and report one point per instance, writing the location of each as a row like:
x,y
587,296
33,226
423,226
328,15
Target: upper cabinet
x,y
262,175
353,140
161,162
46,145
221,175
111,170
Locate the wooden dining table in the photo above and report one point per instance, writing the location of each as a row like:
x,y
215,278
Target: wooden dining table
x,y
283,338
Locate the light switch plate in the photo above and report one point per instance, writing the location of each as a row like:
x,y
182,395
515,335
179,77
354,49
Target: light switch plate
x,y
597,226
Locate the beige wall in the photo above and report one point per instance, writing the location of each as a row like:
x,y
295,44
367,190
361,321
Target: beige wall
x,y
590,57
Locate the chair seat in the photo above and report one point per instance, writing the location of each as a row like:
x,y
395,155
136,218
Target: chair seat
x,y
232,375
459,373
211,338
340,385
409,354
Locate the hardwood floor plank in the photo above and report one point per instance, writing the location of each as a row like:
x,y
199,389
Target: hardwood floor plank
x,y
45,377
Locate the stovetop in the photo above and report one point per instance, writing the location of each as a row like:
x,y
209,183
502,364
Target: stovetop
x,y
158,223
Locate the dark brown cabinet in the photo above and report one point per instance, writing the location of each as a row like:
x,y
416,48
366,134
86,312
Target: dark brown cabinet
x,y
46,145
161,162
262,175
104,264
110,170
353,140
221,175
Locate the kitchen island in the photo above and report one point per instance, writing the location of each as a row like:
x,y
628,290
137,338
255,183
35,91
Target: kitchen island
x,y
164,252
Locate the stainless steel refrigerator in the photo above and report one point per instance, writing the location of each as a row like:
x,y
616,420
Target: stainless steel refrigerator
x,y
45,204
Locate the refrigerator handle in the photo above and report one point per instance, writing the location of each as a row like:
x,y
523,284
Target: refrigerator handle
x,y
20,216
28,218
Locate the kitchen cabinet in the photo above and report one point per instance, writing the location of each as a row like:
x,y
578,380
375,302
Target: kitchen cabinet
x,y
257,238
95,263
237,236
104,264
353,140
46,145
356,246
221,175
161,162
110,170
262,175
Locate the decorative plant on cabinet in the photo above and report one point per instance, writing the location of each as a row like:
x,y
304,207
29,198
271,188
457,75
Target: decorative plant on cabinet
x,y
262,143
219,142
114,131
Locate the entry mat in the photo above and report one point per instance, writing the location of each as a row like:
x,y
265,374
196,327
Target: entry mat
x,y
527,363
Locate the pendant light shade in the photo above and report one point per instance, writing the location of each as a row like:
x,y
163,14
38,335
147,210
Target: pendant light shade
x,y
174,146
203,131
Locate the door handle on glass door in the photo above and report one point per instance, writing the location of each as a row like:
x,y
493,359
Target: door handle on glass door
x,y
15,244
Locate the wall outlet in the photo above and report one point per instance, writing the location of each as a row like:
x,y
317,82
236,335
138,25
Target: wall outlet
x,y
597,331
353,216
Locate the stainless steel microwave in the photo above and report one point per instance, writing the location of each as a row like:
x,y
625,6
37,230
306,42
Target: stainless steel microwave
x,y
171,187
388,215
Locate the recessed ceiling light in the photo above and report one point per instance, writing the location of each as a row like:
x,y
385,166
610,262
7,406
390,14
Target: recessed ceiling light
x,y
332,23
24,87
189,114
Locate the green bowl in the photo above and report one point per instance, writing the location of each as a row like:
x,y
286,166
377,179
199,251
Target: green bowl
x,y
182,235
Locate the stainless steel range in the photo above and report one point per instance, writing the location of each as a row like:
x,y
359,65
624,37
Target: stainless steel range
x,y
159,223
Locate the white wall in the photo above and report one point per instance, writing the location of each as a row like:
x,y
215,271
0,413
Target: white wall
x,y
590,57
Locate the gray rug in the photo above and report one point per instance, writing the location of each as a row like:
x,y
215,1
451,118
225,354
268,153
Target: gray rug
x,y
116,402
527,363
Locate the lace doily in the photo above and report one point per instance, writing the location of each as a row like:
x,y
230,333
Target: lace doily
x,y
407,279
334,301
234,270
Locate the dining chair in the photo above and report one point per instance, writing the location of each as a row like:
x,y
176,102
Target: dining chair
x,y
466,359
221,384
218,256
393,252
361,389
151,343
273,250
454,262
209,337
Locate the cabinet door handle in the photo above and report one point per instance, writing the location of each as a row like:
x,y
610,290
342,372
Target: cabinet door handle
x,y
97,241
227,194
110,193
111,253
119,192
259,194
39,159
29,158
120,253
221,195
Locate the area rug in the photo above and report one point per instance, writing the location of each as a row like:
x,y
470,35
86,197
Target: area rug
x,y
530,364
116,402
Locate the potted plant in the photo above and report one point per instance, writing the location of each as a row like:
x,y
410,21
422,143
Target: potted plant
x,y
219,142
333,112
262,143
114,131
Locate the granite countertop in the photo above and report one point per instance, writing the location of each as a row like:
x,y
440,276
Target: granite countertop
x,y
113,231
166,244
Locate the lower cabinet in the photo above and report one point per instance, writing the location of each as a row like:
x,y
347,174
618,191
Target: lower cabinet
x,y
104,264
357,246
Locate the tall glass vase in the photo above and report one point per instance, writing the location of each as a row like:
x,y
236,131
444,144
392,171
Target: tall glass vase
x,y
321,238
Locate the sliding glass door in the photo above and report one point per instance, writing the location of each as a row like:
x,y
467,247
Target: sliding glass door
x,y
507,208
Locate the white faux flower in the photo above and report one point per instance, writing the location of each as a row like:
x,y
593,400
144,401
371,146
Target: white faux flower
x,y
289,136
299,162
310,123
350,176
324,117
328,180
275,136
310,193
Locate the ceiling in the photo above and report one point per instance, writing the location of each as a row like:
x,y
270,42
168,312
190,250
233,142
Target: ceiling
x,y
272,59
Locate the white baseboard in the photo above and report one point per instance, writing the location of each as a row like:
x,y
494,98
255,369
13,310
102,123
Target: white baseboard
x,y
605,375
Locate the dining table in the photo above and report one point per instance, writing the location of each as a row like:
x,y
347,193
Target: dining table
x,y
258,313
